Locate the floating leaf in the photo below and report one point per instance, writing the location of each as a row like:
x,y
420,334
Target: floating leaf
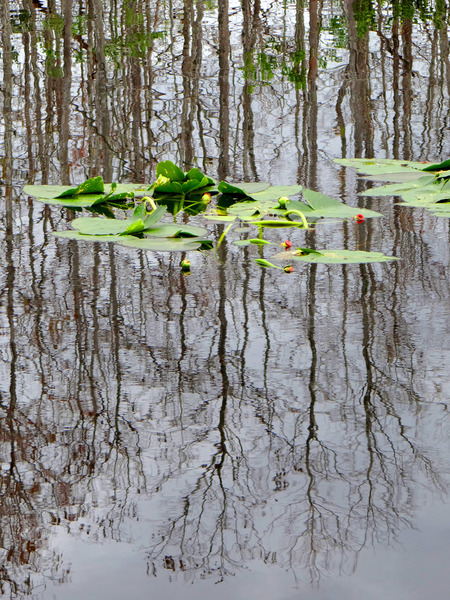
x,y
97,226
242,189
76,235
154,244
396,189
377,166
336,256
220,218
50,194
274,192
324,206
170,230
163,244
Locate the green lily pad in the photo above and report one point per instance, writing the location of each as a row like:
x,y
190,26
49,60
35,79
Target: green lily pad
x,y
326,207
274,192
57,194
163,244
76,235
335,256
424,197
154,244
397,189
170,230
242,189
98,227
378,166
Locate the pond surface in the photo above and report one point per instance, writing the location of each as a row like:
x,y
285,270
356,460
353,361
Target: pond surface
x,y
239,431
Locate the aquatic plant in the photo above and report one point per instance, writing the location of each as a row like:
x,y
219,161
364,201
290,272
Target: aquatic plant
x,y
417,184
254,204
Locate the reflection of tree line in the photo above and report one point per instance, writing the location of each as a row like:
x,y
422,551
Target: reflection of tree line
x,y
129,108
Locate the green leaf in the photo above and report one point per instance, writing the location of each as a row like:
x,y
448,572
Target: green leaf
x,y
163,244
169,187
396,189
265,263
50,194
170,170
98,226
336,256
90,186
377,166
155,244
242,189
170,230
155,216
198,175
134,227
220,218
326,207
274,192
191,185
76,235
443,166
256,242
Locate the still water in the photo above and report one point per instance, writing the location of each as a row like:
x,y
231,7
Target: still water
x,y
234,432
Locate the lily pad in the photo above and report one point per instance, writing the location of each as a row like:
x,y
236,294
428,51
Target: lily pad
x,y
98,227
171,230
326,207
378,166
163,244
335,256
397,189
76,235
154,244
57,194
242,189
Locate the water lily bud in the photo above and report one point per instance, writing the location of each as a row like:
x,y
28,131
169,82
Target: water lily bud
x,y
359,218
288,269
206,197
185,265
283,201
286,244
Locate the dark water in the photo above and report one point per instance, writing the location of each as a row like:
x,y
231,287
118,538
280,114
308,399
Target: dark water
x,y
232,433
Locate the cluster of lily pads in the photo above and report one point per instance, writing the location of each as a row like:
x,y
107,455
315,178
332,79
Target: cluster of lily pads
x,y
149,218
417,184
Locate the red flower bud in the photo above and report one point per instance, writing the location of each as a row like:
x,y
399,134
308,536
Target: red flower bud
x,y
286,244
288,269
206,197
359,218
